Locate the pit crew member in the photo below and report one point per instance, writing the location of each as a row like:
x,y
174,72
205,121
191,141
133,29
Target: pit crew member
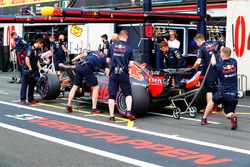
x,y
105,45
120,57
173,59
60,52
206,49
172,56
20,47
227,90
85,69
31,73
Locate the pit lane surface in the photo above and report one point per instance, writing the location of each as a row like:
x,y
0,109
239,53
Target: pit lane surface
x,y
29,134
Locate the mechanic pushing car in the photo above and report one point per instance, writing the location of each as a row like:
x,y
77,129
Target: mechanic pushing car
x,y
20,47
93,62
205,52
227,90
60,51
119,58
31,73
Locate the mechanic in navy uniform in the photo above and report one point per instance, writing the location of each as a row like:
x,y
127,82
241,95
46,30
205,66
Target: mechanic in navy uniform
x,y
172,56
60,51
31,72
105,46
205,52
119,58
221,43
85,69
173,59
227,90
20,47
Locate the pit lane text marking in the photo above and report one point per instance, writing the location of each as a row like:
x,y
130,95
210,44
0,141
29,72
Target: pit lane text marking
x,y
80,147
193,141
116,139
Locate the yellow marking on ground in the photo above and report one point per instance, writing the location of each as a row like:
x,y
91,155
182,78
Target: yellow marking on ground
x,y
214,112
243,113
129,123
171,107
120,121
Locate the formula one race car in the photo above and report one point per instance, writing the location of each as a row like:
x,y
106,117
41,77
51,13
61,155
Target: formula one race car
x,y
149,88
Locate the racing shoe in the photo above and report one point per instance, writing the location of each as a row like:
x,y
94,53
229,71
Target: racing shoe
x,y
217,109
234,122
130,116
112,119
204,121
69,109
95,111
24,103
33,102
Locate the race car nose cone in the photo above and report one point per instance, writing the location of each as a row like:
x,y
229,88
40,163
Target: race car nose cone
x,y
50,11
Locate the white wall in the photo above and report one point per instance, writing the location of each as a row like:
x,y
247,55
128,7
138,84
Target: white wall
x,y
235,9
9,28
90,38
96,30
77,39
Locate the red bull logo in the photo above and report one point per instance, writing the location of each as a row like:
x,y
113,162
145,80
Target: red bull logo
x,y
229,69
136,73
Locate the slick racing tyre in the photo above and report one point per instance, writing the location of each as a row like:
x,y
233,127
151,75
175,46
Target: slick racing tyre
x,y
141,101
49,87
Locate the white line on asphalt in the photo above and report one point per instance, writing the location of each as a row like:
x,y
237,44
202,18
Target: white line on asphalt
x,y
80,147
5,77
4,93
193,141
190,119
246,106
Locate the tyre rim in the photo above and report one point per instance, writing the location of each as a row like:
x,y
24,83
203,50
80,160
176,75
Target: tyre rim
x,y
43,88
121,104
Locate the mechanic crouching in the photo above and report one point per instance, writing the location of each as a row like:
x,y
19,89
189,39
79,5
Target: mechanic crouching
x,y
119,57
31,73
172,59
227,90
93,62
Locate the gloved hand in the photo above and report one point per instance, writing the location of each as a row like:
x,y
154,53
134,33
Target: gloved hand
x,y
28,75
42,71
60,42
31,72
